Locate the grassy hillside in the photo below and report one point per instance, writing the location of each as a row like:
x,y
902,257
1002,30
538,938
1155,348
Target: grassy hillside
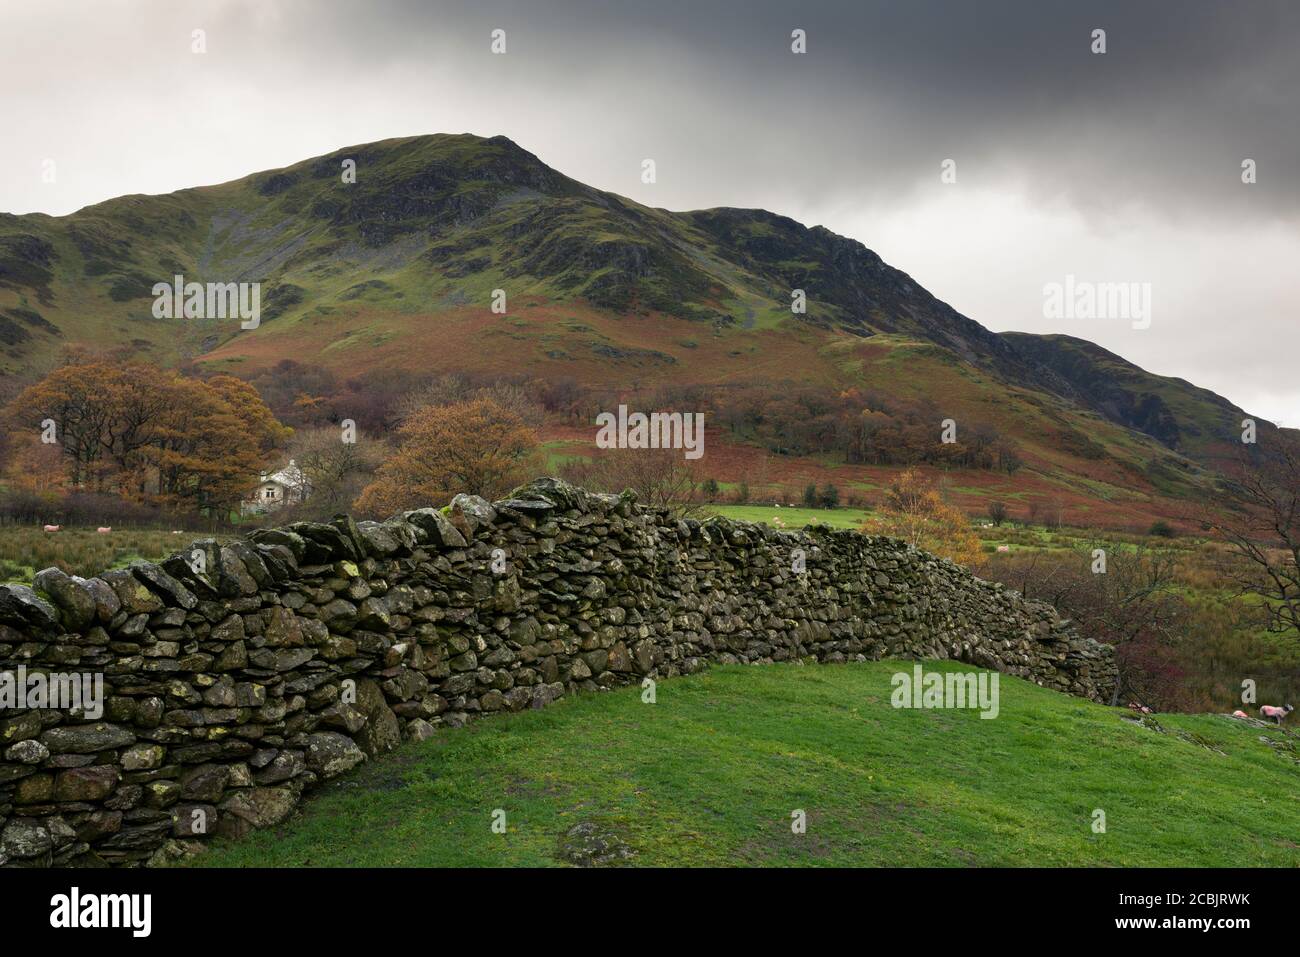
x,y
710,774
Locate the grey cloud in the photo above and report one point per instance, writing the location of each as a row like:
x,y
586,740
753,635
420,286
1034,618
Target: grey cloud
x,y
1142,143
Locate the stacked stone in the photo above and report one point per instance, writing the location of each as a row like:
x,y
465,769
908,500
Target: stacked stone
x,y
239,676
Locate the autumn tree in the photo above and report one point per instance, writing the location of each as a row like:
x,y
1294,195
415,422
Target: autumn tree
x,y
211,446
914,511
35,466
477,447
147,434
265,432
68,405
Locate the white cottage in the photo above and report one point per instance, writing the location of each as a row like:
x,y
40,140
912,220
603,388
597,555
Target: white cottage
x,y
277,489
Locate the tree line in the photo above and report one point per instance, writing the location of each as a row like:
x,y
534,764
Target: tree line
x,y
113,427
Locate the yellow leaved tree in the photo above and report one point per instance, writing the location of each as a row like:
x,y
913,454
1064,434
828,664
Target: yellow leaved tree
x,y
914,510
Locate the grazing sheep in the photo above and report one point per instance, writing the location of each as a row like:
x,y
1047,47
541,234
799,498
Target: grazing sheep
x,y
104,529
53,528
1240,714
1277,714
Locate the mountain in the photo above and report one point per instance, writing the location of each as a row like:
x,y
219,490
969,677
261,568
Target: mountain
x,y
1196,422
398,269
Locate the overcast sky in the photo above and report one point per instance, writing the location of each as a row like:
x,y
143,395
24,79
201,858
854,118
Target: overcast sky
x,y
1115,167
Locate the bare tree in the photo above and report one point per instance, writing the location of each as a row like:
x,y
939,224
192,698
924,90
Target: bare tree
x,y
445,389
1259,520
451,389
660,477
1124,596
334,471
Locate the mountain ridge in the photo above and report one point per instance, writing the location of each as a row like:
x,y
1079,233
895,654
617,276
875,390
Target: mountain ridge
x,y
385,270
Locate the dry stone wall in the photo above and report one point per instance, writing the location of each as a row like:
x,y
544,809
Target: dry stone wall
x,y
238,676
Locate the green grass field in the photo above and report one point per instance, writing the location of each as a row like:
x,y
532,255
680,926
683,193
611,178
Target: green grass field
x,y
711,773
793,518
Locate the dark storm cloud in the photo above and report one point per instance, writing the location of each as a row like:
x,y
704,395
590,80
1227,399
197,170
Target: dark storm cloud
x,y
1184,93
1010,90
1116,167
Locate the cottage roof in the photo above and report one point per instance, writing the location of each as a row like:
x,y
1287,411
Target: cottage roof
x,y
290,476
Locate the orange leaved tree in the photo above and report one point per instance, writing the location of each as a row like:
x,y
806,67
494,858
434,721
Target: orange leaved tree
x,y
148,434
478,447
